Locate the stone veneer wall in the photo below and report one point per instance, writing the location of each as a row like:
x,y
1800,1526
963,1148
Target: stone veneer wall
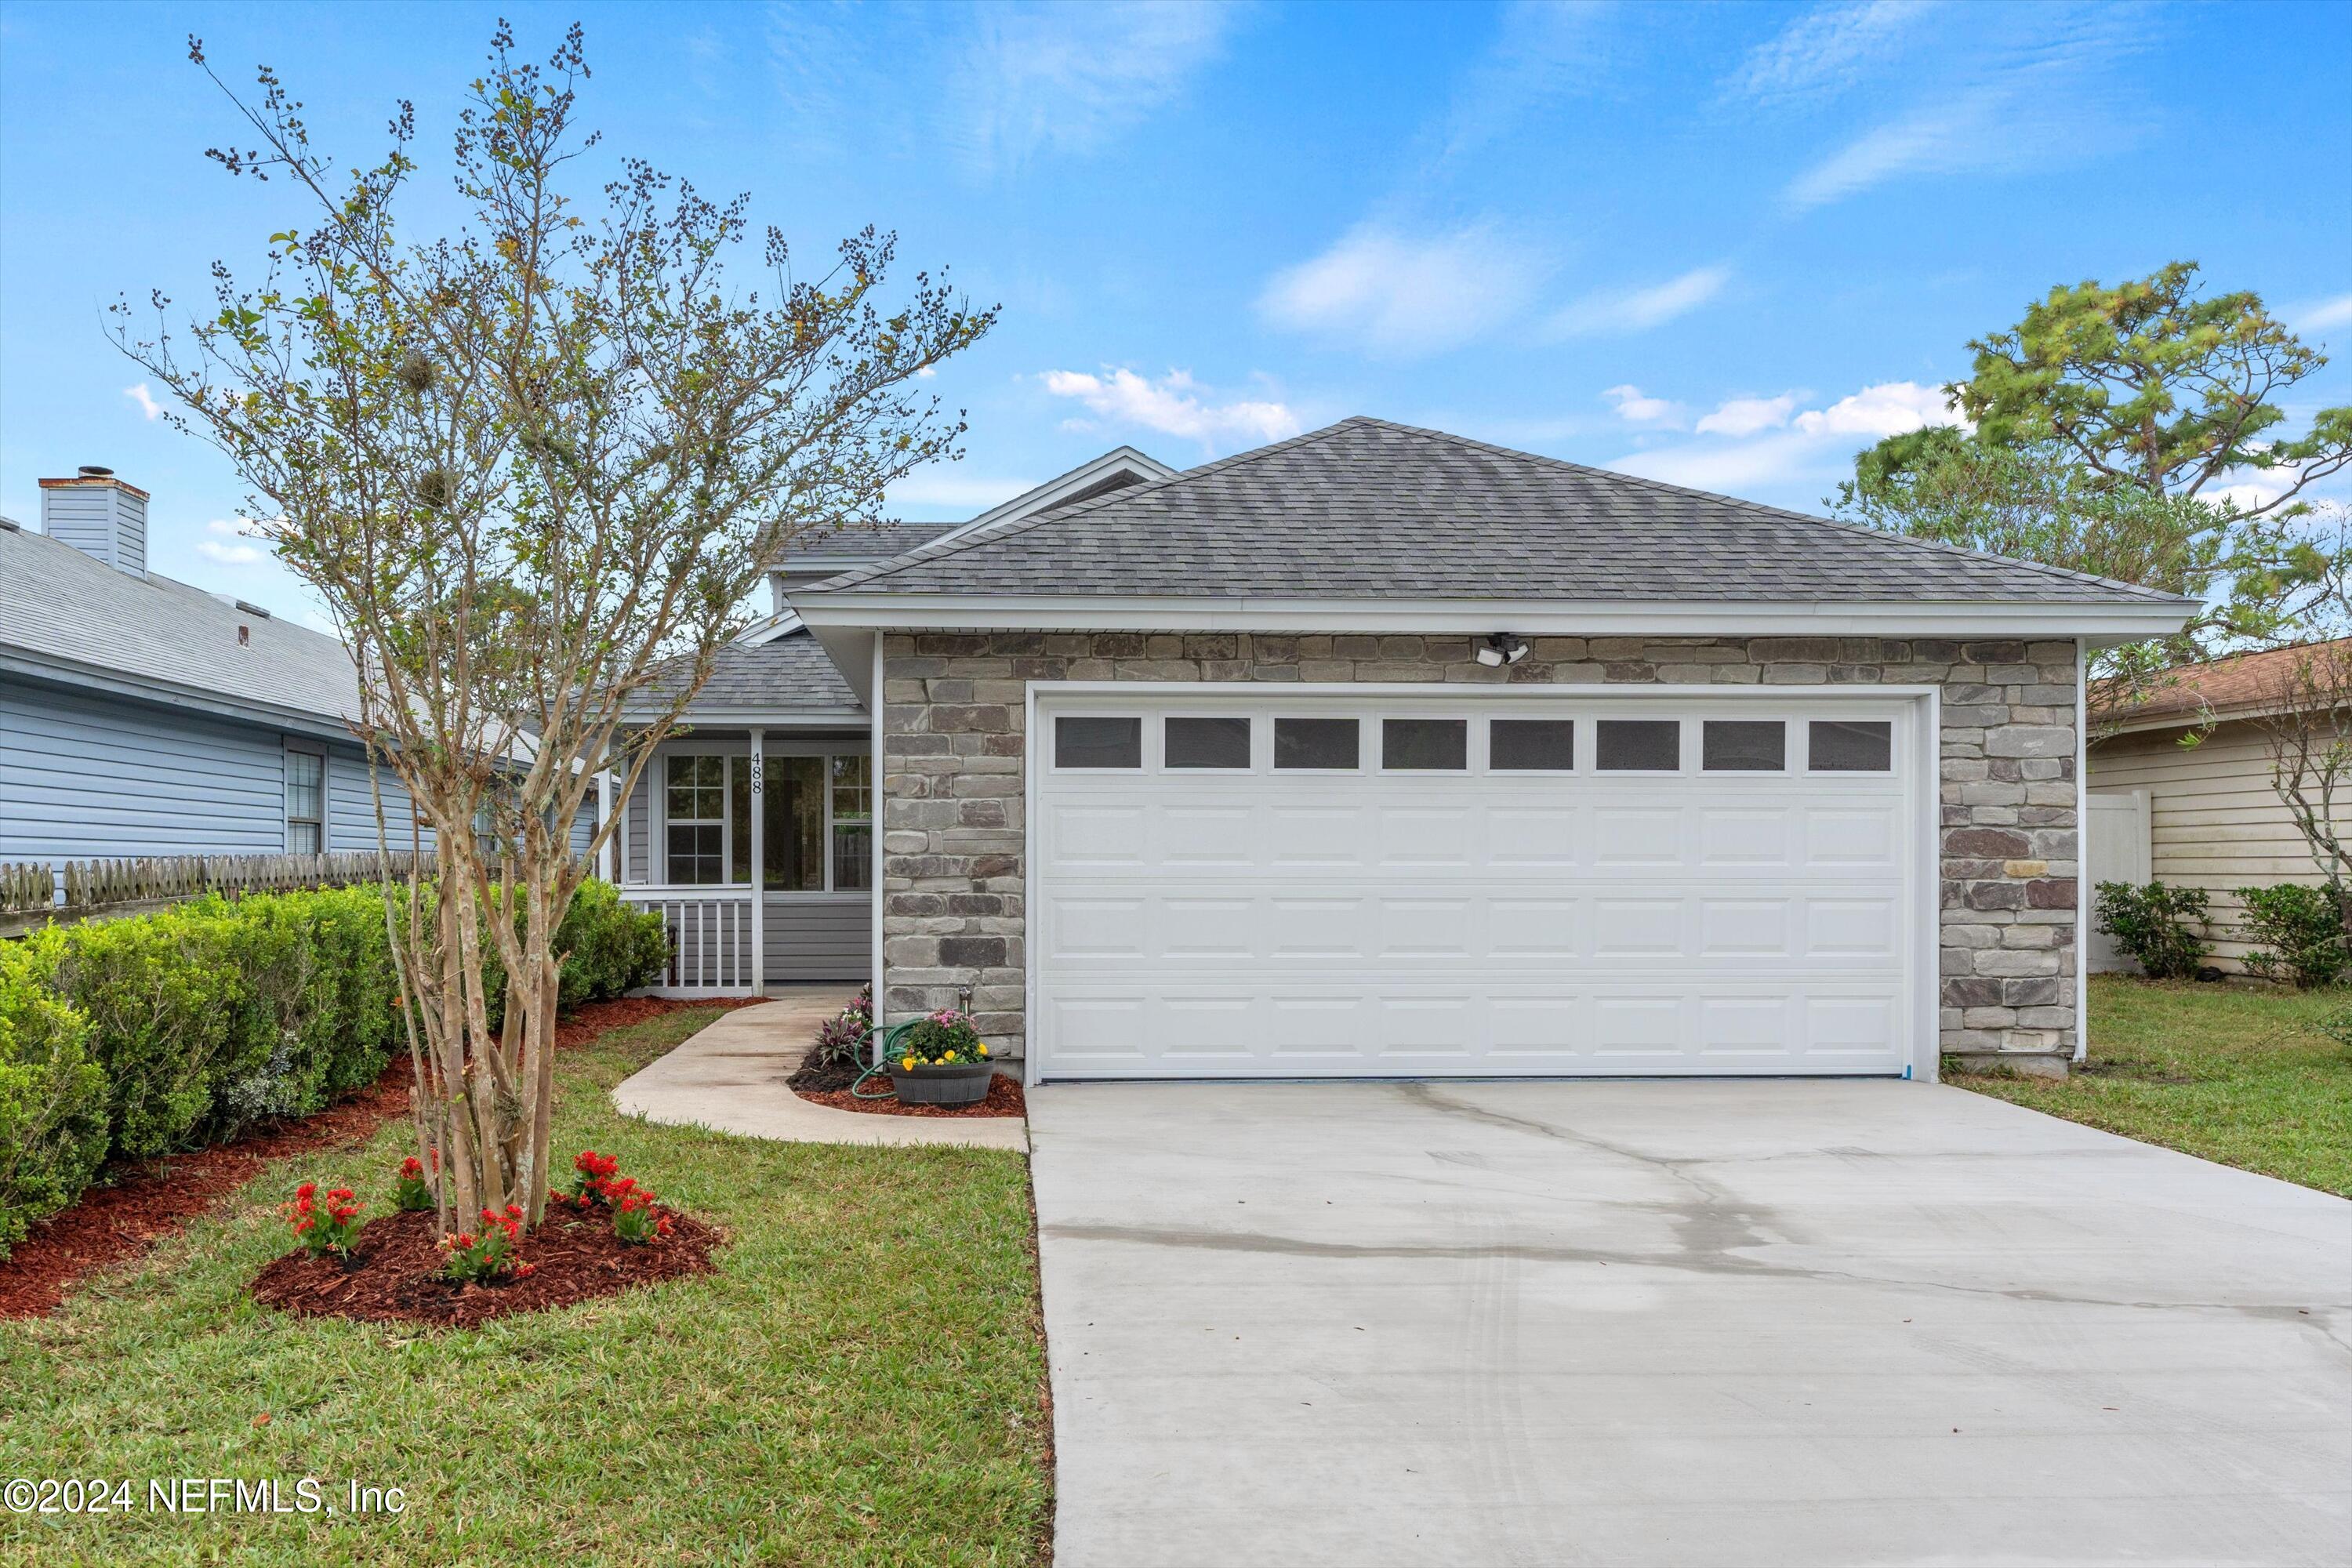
x,y
954,864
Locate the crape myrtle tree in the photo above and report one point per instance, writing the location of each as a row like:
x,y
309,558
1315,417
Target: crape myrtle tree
x,y
2136,431
533,468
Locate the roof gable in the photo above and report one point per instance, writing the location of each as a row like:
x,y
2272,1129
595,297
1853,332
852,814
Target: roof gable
x,y
1367,508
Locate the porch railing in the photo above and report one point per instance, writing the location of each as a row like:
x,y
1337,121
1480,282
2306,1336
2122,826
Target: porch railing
x,y
710,938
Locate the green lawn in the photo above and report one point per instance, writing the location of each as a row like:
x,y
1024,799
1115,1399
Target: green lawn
x,y
862,1381
2226,1072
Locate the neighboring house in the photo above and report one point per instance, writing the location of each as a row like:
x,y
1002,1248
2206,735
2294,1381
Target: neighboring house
x,y
2181,793
141,715
1382,752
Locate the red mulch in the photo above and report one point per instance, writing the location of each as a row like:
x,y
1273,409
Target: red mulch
x,y
396,1275
135,1204
1003,1099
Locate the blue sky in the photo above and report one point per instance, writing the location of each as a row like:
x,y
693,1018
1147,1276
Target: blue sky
x,y
1725,246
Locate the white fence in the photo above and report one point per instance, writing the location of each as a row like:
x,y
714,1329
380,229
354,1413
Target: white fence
x,y
710,939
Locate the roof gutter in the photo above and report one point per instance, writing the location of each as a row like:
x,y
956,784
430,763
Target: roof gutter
x,y
2100,624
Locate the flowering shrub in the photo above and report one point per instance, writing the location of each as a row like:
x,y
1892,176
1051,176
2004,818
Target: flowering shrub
x,y
493,1252
410,1191
328,1228
591,1173
636,1221
945,1037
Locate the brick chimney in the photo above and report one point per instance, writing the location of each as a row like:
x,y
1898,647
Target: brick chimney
x,y
99,515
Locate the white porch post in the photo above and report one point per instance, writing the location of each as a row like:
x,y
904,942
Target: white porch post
x,y
608,857
759,864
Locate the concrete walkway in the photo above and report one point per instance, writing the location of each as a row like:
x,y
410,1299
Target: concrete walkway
x,y
1676,1324
731,1076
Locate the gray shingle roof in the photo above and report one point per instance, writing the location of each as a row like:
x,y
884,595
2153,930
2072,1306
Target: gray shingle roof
x,y
876,544
57,604
1368,509
787,673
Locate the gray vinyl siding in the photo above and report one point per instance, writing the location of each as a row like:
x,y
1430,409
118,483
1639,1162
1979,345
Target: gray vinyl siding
x,y
86,776
826,936
637,867
350,808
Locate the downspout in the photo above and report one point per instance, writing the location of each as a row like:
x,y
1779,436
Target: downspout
x,y
2081,848
607,858
881,801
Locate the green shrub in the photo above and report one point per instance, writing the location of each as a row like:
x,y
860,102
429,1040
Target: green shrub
x,y
2152,925
165,1002
155,1032
610,949
2301,931
52,1098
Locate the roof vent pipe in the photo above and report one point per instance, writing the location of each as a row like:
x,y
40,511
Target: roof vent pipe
x,y
99,515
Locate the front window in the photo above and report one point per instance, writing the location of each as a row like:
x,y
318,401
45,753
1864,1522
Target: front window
x,y
853,822
812,809
306,803
694,806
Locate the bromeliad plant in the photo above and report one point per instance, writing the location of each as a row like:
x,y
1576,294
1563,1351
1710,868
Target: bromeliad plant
x,y
327,1229
946,1038
491,1253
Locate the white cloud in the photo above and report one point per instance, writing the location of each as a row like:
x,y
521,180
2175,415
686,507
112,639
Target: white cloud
x,y
2027,88
1762,448
145,399
1173,406
1543,50
1068,77
1740,417
1639,309
1890,409
1397,295
2320,315
1635,409
1826,49
227,555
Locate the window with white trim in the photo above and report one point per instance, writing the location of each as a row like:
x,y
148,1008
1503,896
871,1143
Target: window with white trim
x,y
694,808
306,802
853,822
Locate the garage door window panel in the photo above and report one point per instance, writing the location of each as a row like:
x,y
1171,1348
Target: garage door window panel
x,y
1193,742
1531,745
1638,745
1097,741
1319,745
1849,746
1744,746
1425,745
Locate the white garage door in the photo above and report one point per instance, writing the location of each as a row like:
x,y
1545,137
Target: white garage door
x,y
1230,886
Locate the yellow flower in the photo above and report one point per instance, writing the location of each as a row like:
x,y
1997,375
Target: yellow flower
x,y
909,1064
983,1051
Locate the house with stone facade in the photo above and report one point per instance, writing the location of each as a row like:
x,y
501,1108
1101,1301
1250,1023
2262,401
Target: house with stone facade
x,y
1383,752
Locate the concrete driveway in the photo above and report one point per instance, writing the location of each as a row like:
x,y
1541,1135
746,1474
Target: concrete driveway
x,y
1687,1324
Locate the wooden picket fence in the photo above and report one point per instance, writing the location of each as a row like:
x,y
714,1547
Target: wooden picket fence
x,y
31,895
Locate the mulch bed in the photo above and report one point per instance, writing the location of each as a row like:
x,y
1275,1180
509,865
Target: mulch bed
x,y
396,1275
1004,1099
132,1205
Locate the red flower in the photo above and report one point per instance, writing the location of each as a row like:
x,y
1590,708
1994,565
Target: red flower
x,y
307,1191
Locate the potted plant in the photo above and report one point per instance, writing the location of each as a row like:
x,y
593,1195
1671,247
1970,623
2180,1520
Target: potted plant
x,y
941,1060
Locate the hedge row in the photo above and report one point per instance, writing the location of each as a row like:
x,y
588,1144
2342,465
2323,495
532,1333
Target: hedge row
x,y
158,1033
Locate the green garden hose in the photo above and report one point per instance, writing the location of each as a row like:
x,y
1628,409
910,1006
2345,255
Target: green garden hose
x,y
882,1059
